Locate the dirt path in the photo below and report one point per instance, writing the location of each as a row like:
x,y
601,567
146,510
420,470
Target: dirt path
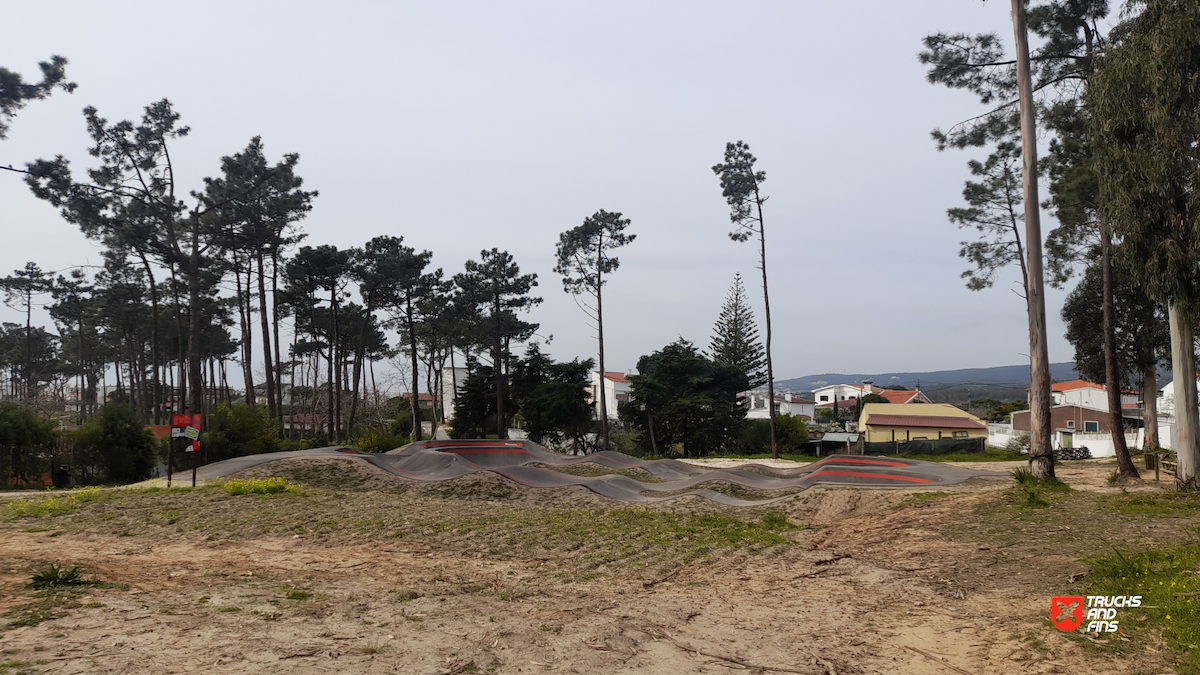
x,y
873,586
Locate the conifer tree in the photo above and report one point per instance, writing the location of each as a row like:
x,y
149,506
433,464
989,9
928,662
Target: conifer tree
x,y
735,336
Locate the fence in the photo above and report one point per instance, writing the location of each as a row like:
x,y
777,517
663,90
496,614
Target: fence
x,y
943,446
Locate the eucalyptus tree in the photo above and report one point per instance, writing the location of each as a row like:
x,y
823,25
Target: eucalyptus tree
x,y
584,256
1057,72
15,92
735,336
1145,119
256,206
740,185
495,286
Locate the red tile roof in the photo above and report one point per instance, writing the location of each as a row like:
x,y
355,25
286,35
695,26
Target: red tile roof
x,y
923,421
894,396
1072,385
615,376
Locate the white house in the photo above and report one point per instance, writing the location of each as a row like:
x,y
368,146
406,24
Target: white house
x,y
1166,398
785,404
616,390
1088,395
843,392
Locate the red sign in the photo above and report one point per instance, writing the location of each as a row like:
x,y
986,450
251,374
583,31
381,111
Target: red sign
x,y
1066,612
181,420
194,447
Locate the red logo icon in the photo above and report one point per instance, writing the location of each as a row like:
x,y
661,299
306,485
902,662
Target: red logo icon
x,y
1066,612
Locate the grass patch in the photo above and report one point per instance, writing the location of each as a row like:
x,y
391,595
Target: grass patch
x,y
54,575
1166,504
1033,492
54,504
268,486
923,497
299,595
1169,584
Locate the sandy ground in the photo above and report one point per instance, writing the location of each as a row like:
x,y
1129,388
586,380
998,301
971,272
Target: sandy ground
x,y
870,585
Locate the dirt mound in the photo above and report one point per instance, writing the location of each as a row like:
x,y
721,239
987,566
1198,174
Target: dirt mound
x,y
821,505
332,473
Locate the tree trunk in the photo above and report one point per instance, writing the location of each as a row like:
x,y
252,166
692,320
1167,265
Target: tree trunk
x,y
417,431
194,375
762,241
269,381
154,340
275,329
1112,380
329,373
244,324
600,335
497,359
1041,455
1187,418
1150,440
358,359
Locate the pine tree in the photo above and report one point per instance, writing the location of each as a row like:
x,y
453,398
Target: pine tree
x,y
735,336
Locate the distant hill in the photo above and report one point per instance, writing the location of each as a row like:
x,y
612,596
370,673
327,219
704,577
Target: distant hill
x,y
949,386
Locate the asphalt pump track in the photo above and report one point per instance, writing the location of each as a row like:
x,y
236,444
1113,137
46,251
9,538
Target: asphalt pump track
x,y
443,460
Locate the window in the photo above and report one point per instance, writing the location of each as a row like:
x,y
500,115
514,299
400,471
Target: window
x,y
1091,426
960,434
1070,424
824,398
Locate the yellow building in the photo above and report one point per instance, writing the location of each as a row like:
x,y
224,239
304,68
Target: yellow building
x,y
887,422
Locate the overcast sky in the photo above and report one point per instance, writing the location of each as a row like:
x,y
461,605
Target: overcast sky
x,y
472,125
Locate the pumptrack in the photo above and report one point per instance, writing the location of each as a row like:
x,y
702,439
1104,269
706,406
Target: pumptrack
x,y
443,460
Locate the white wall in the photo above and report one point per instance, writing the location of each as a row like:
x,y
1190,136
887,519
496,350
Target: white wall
x,y
1101,445
1000,434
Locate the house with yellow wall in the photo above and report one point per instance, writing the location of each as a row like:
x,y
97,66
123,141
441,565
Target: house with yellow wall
x,y
901,422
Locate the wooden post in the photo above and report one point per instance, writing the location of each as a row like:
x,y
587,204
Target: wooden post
x,y
194,453
1041,456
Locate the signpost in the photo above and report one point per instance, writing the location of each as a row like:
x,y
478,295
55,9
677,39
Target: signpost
x,y
186,427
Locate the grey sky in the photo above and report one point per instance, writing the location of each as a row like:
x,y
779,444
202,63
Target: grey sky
x,y
471,125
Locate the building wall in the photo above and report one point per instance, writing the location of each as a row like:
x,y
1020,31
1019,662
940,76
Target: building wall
x,y
1066,418
615,393
843,392
882,434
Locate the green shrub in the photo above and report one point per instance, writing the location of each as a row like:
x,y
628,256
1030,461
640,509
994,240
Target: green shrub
x,y
269,486
115,446
238,430
377,441
26,443
287,445
54,575
790,434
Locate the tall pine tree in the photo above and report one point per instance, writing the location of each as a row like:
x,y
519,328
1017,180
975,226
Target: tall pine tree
x,y
735,336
